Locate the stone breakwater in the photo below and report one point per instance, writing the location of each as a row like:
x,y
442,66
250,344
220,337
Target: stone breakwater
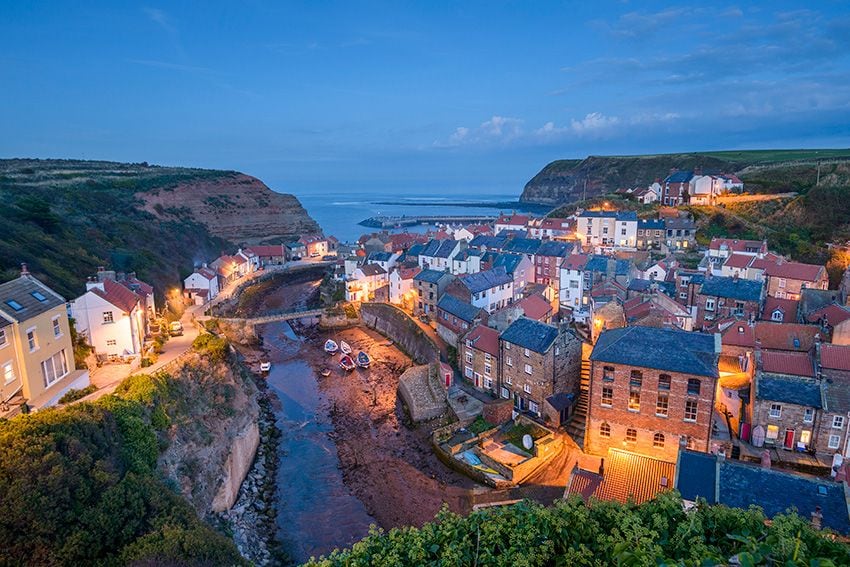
x,y
251,520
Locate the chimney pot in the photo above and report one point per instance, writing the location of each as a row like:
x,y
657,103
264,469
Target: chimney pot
x,y
24,270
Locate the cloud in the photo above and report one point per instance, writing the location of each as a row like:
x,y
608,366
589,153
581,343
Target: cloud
x,y
169,65
496,130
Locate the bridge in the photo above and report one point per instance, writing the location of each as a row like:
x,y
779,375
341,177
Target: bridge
x,y
274,317
393,222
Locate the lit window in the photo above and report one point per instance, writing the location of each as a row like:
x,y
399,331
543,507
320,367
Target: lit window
x,y
8,373
838,421
662,405
658,440
634,400
631,435
607,396
664,381
690,410
604,430
775,411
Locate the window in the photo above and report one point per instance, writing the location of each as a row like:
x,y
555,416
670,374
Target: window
x,y
508,361
32,340
782,282
834,441
488,383
809,415
772,433
526,352
54,368
509,380
468,372
662,405
507,346
664,381
528,369
604,430
14,305
631,435
636,379
607,396
691,410
111,342
658,440
8,373
505,393
693,387
3,339
776,315
488,368
526,388
532,407
634,400
57,329
39,296
468,357
837,422
608,373
709,304
775,411
487,356
107,317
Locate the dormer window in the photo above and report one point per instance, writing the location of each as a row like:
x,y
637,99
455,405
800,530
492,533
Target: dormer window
x,y
776,315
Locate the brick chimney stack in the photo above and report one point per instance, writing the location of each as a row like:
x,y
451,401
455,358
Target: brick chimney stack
x,y
24,270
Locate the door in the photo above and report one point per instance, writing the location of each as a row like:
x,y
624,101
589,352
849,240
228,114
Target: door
x,y
789,439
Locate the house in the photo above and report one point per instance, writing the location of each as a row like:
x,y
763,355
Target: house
x,y
719,249
687,285
537,361
720,298
780,310
487,242
704,189
479,358
533,307
315,245
737,484
429,285
455,317
231,268
466,262
834,419
744,337
571,288
788,279
201,285
522,245
490,290
36,352
607,229
676,188
550,227
645,195
111,318
547,262
681,233
294,251
512,221
625,477
656,270
657,310
401,285
518,266
386,260
651,390
364,282
403,241
650,234
438,254
269,255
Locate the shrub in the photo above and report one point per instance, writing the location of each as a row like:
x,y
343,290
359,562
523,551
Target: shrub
x,y
215,349
75,394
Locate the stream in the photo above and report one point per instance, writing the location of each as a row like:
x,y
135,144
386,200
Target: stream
x,y
316,511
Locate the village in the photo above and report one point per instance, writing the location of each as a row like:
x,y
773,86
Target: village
x,y
599,353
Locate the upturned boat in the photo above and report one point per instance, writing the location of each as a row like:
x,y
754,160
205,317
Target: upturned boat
x,y
344,347
363,359
331,347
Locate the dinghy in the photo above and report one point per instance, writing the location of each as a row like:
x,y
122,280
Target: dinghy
x,y
344,347
326,372
265,366
346,363
363,360
330,346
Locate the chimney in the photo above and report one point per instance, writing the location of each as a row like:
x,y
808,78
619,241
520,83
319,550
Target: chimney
x,y
817,518
24,270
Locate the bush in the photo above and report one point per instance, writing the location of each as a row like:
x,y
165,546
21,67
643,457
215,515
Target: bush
x,y
75,394
215,349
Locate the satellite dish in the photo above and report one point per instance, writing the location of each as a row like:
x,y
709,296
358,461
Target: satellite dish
x,y
527,441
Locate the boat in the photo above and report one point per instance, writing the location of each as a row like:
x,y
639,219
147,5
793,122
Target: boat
x,y
331,347
326,372
346,363
265,366
363,360
344,347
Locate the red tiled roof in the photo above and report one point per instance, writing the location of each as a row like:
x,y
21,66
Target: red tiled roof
x,y
795,363
141,288
206,273
518,220
787,306
767,260
409,273
833,312
484,339
736,245
118,295
738,261
535,307
835,357
574,262
795,271
266,250
584,483
772,336
629,476
479,229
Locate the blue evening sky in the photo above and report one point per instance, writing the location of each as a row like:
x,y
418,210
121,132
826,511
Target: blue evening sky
x,y
468,96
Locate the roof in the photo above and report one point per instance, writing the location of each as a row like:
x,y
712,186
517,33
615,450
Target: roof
x,y
431,276
740,261
535,307
575,262
439,248
33,297
408,273
561,401
372,270
522,245
206,273
487,241
485,280
618,215
627,476
513,219
788,307
118,295
835,357
484,339
771,336
459,308
266,250
812,300
734,245
679,177
508,261
795,271
833,314
597,263
789,390
651,224
530,334
697,475
555,249
790,363
836,394
732,288
379,257
663,349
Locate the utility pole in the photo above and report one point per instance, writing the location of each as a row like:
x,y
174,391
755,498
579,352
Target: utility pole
x,y
818,181
584,194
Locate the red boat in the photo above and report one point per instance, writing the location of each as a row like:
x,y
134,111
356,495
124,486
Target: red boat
x,y
346,363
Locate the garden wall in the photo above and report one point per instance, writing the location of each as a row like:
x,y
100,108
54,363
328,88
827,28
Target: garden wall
x,y
397,326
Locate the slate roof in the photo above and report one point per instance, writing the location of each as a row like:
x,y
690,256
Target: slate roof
x,y
561,400
639,284
487,279
509,262
430,276
555,249
21,290
662,349
459,308
836,394
372,270
523,245
789,390
679,177
618,215
487,241
732,288
530,334
596,263
812,300
439,248
484,339
379,257
416,249
651,224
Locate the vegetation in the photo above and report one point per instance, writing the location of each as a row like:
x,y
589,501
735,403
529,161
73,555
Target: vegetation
x,y
214,349
69,217
81,349
658,532
75,394
79,485
479,425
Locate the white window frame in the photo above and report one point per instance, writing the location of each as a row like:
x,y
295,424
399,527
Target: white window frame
x,y
775,411
528,369
808,415
56,374
4,340
468,357
488,369
834,441
526,388
526,352
837,422
57,326
508,361
506,394
8,373
533,407
32,342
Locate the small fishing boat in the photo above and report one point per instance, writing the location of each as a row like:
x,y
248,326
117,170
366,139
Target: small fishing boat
x,y
346,363
265,366
331,347
363,360
326,372
344,347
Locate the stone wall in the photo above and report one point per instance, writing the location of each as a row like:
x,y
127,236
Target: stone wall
x,y
239,461
397,326
421,391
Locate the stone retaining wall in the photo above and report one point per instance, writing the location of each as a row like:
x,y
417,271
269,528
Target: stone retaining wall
x,y
397,326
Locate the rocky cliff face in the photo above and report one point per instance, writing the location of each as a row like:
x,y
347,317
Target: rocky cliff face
x,y
236,207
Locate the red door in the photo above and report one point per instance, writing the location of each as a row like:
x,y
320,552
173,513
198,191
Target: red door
x,y
789,439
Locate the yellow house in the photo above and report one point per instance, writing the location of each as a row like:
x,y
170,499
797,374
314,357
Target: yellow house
x,y
36,353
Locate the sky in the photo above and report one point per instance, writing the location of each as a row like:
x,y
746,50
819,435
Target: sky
x,y
324,96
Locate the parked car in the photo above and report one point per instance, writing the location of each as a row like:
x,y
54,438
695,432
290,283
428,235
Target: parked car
x,y
175,329
328,257
295,258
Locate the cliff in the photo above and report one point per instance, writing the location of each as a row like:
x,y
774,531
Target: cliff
x,y
67,217
570,181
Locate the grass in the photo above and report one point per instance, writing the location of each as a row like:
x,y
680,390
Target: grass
x,y
515,434
479,426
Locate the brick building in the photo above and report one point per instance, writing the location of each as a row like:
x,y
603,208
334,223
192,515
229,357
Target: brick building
x,y
537,360
834,420
720,297
651,388
788,279
547,262
479,358
430,285
456,317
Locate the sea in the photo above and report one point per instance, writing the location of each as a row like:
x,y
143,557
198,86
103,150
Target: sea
x,y
338,213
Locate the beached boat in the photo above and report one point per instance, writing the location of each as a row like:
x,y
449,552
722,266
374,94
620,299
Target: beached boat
x,y
363,360
265,366
344,347
346,363
326,372
331,347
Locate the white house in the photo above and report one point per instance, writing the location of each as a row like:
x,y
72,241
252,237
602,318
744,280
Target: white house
x,y
401,284
704,189
607,229
466,262
571,293
201,285
646,195
490,290
438,254
511,222
111,317
363,283
549,227
386,260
